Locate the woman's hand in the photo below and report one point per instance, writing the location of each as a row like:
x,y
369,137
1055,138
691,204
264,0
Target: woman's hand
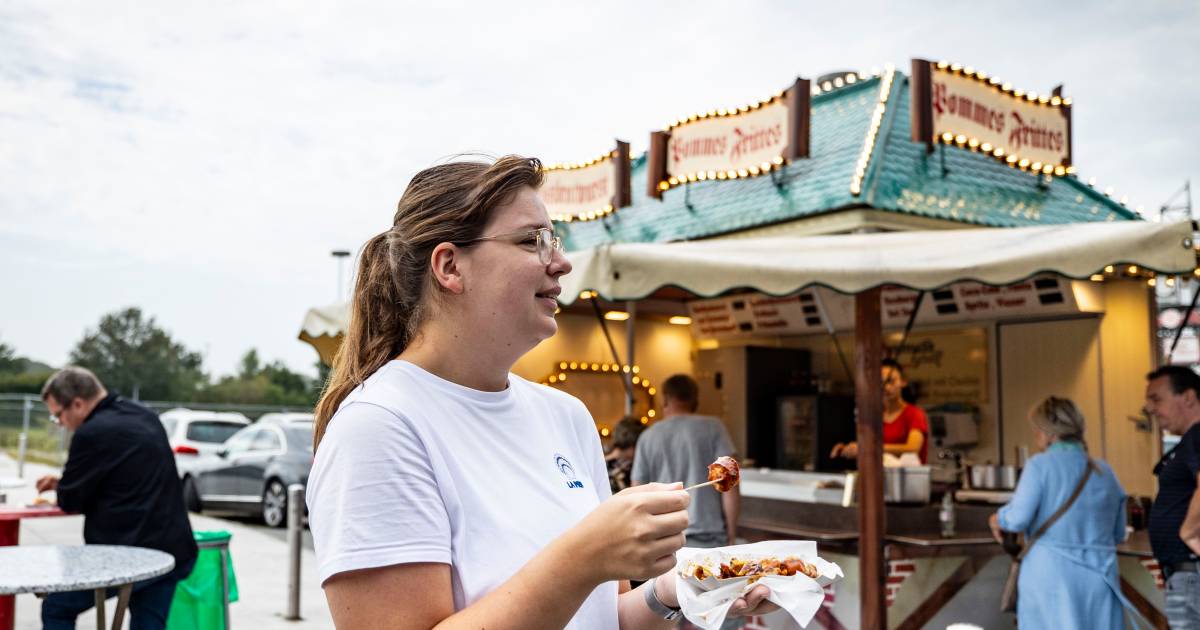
x,y
635,534
753,603
849,451
994,524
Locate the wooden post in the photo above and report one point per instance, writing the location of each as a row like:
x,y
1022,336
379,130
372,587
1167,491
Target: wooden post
x,y
868,394
624,196
1066,112
799,102
656,163
920,103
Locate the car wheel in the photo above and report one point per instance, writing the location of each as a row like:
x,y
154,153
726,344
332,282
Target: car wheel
x,y
191,496
274,504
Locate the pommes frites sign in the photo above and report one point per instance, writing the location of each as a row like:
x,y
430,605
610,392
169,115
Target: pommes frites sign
x,y
729,143
587,190
578,191
969,106
732,143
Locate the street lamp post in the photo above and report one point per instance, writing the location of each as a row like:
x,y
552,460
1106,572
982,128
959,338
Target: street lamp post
x,y
341,255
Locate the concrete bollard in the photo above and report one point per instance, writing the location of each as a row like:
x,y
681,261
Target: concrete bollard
x,y
295,537
23,440
22,446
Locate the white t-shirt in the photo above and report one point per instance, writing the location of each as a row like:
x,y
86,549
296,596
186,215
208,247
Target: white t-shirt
x,y
415,468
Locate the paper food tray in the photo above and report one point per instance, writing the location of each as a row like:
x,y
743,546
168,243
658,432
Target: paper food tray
x,y
706,602
688,558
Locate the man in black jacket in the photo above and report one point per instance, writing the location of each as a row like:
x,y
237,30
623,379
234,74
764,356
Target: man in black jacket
x,y
120,474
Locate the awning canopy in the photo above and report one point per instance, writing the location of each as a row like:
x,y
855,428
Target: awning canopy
x,y
852,263
849,263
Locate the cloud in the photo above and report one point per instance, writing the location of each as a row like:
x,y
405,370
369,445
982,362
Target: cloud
x,y
201,159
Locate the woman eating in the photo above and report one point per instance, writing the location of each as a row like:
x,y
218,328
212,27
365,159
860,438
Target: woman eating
x,y
448,492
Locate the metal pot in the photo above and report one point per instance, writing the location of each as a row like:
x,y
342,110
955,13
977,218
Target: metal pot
x,y
991,477
906,484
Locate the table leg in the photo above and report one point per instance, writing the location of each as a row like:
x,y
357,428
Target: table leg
x,y
8,612
122,605
10,534
101,594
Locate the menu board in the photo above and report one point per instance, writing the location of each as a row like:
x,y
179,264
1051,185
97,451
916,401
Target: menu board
x,y
817,309
950,366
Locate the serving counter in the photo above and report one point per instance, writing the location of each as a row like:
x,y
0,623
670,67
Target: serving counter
x,y
932,580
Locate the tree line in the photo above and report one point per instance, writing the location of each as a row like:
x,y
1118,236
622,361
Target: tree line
x,y
137,358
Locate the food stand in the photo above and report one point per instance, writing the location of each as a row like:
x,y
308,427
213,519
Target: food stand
x,y
760,277
790,504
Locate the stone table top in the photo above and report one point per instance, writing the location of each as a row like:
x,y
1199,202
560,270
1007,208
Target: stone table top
x,y
57,568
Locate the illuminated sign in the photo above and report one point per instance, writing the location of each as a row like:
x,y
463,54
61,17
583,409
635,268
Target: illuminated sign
x,y
961,107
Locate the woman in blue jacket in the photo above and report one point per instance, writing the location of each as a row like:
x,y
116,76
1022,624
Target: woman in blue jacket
x,y
1069,577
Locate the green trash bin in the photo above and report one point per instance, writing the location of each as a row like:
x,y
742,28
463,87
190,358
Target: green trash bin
x,y
200,602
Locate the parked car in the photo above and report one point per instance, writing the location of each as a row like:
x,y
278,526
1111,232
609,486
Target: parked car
x,y
290,416
195,433
251,472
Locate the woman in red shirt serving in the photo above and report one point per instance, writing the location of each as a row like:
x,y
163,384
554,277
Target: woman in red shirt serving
x,y
905,427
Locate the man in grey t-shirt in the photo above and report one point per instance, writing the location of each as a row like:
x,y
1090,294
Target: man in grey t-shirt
x,y
679,448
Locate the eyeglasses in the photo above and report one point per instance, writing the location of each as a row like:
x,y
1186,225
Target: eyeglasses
x,y
542,239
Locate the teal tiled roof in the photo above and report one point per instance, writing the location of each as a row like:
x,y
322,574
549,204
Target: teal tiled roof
x,y
960,185
973,188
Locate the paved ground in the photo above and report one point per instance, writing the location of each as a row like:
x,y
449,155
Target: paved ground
x,y
279,533
259,559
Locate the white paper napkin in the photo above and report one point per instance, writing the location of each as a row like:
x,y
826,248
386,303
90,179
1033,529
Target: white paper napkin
x,y
706,603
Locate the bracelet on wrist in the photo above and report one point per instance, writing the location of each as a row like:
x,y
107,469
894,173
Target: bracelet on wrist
x,y
656,605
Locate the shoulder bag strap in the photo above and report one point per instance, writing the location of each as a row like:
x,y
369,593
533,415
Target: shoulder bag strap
x,y
1087,473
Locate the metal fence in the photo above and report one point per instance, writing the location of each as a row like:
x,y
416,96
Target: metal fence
x,y
28,434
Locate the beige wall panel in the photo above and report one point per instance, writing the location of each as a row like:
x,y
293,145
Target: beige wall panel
x,y
729,402
1127,355
1059,358
989,420
661,350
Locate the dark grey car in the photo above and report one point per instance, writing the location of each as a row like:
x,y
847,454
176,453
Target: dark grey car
x,y
250,474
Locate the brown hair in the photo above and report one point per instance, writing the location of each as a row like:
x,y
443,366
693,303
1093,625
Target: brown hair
x,y
627,432
448,203
682,388
70,383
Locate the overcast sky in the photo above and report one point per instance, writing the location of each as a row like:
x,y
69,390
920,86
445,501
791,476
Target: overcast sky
x,y
200,160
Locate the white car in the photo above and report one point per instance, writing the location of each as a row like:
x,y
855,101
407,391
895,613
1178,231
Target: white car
x,y
290,417
193,433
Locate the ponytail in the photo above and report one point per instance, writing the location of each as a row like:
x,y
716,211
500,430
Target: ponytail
x,y
382,317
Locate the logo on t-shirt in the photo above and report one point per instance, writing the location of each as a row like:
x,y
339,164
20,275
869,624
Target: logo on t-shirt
x,y
568,471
